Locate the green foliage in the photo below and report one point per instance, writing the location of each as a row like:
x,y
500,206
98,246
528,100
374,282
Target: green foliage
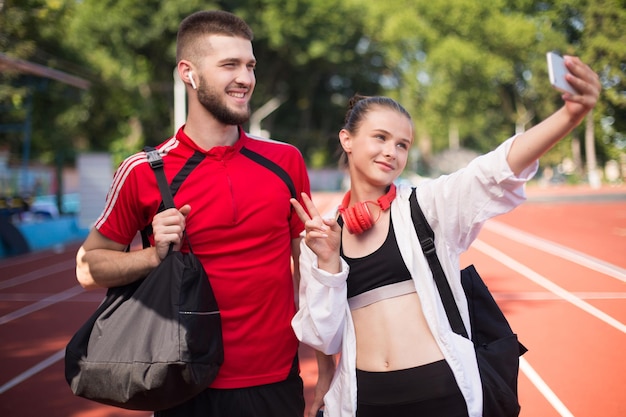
x,y
131,48
27,33
309,54
461,66
605,48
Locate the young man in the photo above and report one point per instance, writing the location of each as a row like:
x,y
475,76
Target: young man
x,y
236,214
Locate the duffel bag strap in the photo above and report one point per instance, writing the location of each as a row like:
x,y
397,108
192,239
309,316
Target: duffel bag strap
x,y
426,236
167,191
156,162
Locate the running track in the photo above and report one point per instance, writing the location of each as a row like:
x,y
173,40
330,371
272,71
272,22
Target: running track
x,y
556,265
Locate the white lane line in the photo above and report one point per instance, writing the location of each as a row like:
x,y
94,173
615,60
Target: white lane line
x,y
35,256
543,388
48,301
542,295
40,273
46,363
88,297
557,250
547,284
33,371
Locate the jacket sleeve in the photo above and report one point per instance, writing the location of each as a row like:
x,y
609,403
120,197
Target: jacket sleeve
x,y
321,315
457,205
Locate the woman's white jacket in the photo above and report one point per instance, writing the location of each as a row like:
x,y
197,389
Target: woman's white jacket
x,y
456,206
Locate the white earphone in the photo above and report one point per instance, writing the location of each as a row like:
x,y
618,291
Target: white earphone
x,y
193,83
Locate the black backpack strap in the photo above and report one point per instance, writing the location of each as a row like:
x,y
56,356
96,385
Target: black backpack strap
x,y
156,162
426,237
189,166
272,166
168,191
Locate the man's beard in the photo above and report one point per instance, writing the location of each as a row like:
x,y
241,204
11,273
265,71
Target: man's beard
x,y
214,105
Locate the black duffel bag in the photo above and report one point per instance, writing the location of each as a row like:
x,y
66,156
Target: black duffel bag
x,y
497,347
152,344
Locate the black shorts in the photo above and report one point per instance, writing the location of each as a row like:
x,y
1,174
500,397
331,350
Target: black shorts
x,y
427,391
280,399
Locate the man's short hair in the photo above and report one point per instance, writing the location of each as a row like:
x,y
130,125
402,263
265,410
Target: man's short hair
x,y
210,22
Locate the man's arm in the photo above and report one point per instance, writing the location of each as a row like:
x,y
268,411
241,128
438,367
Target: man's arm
x,y
104,263
295,258
101,262
325,373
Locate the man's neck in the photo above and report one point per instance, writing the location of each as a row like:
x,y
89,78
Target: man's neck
x,y
208,132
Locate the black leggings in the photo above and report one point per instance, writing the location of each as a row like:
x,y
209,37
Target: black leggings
x,y
426,391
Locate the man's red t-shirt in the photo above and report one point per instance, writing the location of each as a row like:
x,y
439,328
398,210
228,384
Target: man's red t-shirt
x,y
240,227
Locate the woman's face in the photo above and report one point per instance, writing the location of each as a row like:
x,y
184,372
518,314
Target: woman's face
x,y
379,150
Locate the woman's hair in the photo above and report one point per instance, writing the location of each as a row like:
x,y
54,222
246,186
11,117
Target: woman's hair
x,y
211,22
358,108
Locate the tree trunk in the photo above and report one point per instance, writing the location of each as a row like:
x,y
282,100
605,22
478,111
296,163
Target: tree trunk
x,y
592,166
577,158
454,141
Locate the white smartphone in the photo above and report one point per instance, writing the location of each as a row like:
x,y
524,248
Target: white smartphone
x,y
557,71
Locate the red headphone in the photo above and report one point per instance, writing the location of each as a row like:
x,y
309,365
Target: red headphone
x,y
358,218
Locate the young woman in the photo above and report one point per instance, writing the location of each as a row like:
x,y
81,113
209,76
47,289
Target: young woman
x,y
366,289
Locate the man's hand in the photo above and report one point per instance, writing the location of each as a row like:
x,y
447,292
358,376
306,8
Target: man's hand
x,y
168,227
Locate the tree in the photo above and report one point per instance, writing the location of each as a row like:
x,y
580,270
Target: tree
x,y
305,49
471,73
39,114
309,54
131,48
28,35
604,45
474,72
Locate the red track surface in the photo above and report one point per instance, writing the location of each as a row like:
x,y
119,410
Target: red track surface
x,y
557,268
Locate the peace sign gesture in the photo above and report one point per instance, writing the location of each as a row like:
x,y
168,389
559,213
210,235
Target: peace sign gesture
x,y
323,236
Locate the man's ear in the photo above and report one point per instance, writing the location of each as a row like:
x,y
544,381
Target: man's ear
x,y
185,72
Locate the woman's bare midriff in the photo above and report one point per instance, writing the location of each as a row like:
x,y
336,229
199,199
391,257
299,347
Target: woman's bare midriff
x,y
392,334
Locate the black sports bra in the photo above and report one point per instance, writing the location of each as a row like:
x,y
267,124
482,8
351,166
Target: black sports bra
x,y
380,275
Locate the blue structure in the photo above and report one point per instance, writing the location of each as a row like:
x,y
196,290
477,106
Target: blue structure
x,y
38,235
39,232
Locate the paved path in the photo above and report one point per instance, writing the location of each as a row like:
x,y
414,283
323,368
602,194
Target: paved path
x,y
556,265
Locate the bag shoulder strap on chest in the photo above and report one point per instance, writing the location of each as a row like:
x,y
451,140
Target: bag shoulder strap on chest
x,y
156,162
272,166
426,237
168,191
